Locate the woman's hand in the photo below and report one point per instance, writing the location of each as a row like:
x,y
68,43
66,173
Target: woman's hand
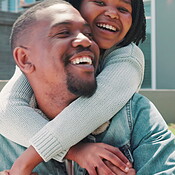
x,y
26,162
93,157
7,172
117,170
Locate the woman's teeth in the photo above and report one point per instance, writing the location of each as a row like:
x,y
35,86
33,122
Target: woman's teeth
x,y
107,27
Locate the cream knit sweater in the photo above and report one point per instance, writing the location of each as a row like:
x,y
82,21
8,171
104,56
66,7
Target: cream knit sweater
x,y
121,77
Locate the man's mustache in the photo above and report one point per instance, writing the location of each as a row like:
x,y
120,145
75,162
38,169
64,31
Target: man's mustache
x,y
81,49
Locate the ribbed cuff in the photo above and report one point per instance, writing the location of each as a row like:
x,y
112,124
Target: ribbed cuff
x,y
61,156
47,146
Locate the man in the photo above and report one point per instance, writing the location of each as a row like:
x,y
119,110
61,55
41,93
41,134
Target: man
x,y
47,52
48,65
53,47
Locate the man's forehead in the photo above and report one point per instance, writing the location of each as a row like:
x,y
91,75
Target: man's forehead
x,y
68,23
60,14
59,10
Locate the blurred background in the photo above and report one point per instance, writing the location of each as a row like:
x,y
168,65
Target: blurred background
x,y
159,50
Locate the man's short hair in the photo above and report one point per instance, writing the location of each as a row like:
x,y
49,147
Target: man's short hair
x,y
23,25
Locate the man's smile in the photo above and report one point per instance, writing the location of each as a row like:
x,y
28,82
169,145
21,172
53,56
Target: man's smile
x,y
82,60
85,59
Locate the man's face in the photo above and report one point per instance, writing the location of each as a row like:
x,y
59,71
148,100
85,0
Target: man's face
x,y
62,51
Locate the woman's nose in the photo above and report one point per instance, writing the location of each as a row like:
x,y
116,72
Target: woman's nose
x,y
112,13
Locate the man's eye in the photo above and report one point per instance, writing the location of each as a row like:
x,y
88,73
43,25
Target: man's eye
x,y
100,3
89,35
62,34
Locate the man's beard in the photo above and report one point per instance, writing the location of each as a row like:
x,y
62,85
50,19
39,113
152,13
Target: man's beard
x,y
75,84
80,87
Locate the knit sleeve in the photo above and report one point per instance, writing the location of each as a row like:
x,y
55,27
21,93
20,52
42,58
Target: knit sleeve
x,y
121,77
18,121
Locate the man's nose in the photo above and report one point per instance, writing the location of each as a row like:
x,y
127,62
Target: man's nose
x,y
81,40
112,13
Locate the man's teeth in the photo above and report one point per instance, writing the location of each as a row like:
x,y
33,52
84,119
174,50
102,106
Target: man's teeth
x,y
84,60
107,26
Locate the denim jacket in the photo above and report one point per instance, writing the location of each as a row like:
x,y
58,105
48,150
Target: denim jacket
x,y
137,129
141,133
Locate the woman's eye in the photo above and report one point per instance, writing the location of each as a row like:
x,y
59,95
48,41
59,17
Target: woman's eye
x,y
123,10
100,3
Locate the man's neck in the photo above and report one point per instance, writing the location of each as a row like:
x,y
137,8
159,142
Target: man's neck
x,y
52,102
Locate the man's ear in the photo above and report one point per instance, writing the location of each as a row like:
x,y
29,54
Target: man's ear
x,y
22,59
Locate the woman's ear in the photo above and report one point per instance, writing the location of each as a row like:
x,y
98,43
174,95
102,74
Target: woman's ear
x,y
22,59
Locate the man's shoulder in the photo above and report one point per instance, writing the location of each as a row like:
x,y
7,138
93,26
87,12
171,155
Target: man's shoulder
x,y
139,99
142,107
138,96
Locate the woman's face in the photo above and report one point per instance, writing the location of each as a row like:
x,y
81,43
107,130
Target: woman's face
x,y
110,20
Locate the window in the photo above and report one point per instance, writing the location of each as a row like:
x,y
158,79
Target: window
x,y
146,47
9,5
14,5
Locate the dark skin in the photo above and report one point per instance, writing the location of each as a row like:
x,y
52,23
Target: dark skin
x,y
30,158
112,167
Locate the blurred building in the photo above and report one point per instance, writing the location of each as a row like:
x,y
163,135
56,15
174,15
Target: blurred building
x,y
15,5
158,47
160,44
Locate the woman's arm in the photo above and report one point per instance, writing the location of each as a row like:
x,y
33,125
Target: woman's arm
x,y
121,77
83,154
16,114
